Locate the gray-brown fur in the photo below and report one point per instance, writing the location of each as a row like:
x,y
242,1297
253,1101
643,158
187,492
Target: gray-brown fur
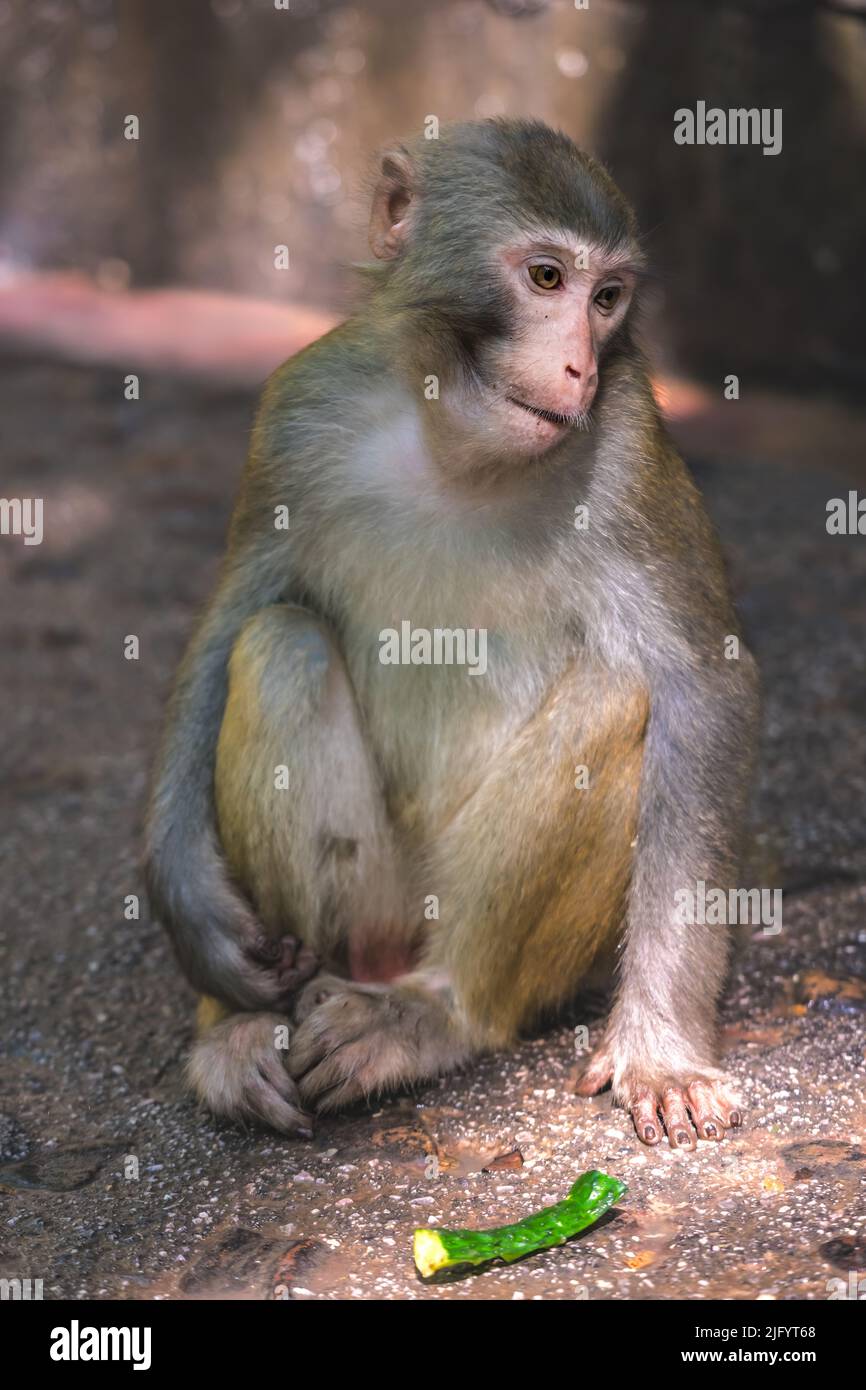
x,y
606,648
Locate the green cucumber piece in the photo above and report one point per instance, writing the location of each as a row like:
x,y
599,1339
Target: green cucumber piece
x,y
589,1198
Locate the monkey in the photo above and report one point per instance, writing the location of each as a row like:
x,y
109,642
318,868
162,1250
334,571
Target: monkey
x,y
395,866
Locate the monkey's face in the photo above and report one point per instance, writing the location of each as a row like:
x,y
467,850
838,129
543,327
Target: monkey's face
x,y
567,303
512,258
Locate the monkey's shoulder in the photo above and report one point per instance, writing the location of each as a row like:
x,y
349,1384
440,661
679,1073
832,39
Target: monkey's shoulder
x,y
318,383
311,411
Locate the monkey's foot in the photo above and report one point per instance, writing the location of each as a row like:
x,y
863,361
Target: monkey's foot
x,y
597,1073
238,1069
357,1040
700,1106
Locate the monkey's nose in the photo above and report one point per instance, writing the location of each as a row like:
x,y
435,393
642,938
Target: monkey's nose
x,y
586,376
582,384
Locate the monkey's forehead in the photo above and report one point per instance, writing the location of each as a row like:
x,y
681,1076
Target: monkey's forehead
x,y
579,251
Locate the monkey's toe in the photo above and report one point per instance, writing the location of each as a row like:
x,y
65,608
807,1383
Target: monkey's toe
x,y
703,1107
315,992
675,1114
238,1071
714,1108
597,1074
349,1047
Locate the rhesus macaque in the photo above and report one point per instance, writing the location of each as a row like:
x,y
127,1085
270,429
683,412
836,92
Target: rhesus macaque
x,y
403,863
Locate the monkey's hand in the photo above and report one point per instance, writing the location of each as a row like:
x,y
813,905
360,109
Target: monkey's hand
x,y
698,1103
289,961
219,942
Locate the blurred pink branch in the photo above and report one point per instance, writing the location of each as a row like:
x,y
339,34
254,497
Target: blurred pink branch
x,y
206,333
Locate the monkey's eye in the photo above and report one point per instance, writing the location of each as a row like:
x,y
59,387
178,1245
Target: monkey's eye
x,y
608,298
546,277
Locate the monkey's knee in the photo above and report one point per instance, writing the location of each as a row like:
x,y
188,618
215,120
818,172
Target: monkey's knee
x,y
237,1070
278,668
299,806
279,673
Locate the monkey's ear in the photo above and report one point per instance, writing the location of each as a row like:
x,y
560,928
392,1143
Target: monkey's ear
x,y
392,204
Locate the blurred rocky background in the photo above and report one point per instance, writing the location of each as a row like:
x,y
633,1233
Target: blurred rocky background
x,y
257,127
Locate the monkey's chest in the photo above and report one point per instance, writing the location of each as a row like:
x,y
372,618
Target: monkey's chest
x,y
453,640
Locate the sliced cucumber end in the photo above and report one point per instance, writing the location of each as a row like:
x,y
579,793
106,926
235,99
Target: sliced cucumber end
x,y
429,1253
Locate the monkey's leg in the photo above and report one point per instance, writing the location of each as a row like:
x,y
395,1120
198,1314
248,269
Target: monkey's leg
x,y
303,828
531,872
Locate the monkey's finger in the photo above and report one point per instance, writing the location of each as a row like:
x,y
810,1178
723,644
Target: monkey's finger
x,y
727,1104
705,1111
290,958
294,971
644,1105
266,950
676,1118
238,978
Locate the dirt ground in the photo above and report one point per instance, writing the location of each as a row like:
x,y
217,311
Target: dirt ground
x,y
112,1185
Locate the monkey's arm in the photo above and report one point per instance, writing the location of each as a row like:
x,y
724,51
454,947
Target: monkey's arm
x,y
659,1049
219,942
217,938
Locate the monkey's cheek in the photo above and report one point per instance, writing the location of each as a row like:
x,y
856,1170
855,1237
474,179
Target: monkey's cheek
x,y
524,432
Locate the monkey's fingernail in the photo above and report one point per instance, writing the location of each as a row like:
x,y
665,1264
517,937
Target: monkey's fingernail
x,y
682,1137
649,1133
304,1133
736,1118
711,1131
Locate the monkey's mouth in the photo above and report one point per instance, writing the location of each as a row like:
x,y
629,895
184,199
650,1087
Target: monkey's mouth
x,y
551,416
